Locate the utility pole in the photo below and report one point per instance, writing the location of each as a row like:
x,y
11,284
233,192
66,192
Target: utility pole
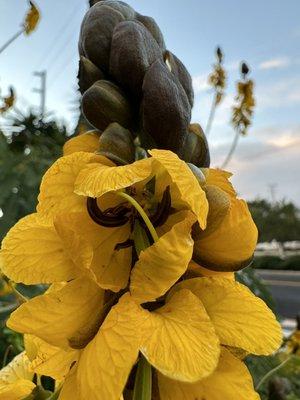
x,y
272,188
42,90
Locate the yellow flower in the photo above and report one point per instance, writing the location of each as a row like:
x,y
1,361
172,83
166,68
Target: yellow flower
x,y
293,343
32,18
16,379
229,241
70,241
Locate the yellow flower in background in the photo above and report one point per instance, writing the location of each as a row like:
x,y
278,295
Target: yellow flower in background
x,y
32,18
9,101
16,379
229,241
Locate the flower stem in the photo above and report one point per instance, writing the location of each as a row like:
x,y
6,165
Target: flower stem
x,y
11,40
232,149
143,381
211,116
142,213
270,373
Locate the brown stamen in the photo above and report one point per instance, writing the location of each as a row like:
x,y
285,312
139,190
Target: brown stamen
x,y
108,219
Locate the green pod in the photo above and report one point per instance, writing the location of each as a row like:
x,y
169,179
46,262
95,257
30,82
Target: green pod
x,y
116,143
104,103
88,74
195,149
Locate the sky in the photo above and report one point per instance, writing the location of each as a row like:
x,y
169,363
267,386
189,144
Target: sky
x,y
266,34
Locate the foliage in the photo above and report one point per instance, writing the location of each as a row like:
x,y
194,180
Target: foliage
x,y
25,155
275,262
280,221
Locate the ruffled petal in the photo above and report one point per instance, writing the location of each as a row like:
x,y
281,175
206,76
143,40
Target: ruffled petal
x,y
87,142
49,360
57,187
180,340
32,252
231,380
163,263
97,179
106,362
240,318
185,189
69,317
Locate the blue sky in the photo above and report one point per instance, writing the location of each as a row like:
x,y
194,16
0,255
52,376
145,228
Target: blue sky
x,y
264,33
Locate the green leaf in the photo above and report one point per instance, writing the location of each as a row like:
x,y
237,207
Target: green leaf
x,y
143,381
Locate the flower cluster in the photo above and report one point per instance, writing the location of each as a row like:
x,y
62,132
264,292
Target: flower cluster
x,y
139,259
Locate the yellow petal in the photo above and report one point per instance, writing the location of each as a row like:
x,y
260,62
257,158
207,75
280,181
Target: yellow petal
x,y
106,362
220,178
195,270
97,179
16,379
16,369
69,389
32,18
33,253
16,391
110,266
240,318
87,142
185,189
49,360
231,246
57,187
163,263
75,247
180,341
69,317
230,381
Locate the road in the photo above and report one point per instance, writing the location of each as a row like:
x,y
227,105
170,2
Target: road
x,y
285,288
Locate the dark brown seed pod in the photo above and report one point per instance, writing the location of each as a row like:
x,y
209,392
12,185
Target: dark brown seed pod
x,y
133,50
166,111
88,74
153,28
116,143
96,33
104,103
180,71
195,149
124,8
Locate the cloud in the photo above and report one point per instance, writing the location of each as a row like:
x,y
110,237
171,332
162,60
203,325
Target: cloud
x,y
280,62
270,155
280,93
200,83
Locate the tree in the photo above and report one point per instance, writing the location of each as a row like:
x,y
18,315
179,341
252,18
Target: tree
x,y
25,154
280,221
